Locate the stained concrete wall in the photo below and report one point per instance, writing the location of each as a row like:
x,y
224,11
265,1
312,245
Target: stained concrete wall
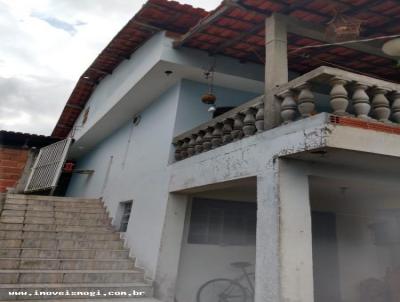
x,y
284,237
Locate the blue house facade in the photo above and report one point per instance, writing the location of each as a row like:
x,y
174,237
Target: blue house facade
x,y
286,192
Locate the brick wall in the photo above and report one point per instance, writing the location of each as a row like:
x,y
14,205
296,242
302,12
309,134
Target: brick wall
x,y
12,163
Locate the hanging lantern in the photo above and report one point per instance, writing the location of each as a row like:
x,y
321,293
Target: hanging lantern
x,y
343,28
392,48
209,97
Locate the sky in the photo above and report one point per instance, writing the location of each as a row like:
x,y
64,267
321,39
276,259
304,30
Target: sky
x,y
45,47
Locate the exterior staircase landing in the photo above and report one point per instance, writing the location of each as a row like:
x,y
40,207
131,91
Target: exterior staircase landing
x,y
59,248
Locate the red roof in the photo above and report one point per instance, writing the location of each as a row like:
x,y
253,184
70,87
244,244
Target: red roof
x,y
154,16
236,29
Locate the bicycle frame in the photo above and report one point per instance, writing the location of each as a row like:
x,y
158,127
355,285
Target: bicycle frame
x,y
246,276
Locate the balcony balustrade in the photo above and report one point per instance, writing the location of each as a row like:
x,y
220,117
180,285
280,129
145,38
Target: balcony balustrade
x,y
340,93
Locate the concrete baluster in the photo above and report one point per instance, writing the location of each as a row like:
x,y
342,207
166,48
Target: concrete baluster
x,y
396,107
178,149
227,131
361,104
249,122
207,139
306,101
216,140
198,147
288,107
260,117
380,105
192,142
339,97
237,132
184,148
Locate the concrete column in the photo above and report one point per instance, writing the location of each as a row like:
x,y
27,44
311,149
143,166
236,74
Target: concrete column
x,y
170,248
267,244
276,67
295,234
284,269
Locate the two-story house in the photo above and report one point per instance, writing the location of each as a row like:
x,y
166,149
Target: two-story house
x,y
255,138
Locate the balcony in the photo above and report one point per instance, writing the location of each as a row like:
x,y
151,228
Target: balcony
x,y
351,99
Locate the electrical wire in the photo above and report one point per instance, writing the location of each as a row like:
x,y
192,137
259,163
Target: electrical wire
x,y
345,42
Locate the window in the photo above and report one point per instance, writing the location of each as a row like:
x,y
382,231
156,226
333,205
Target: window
x,y
222,222
125,215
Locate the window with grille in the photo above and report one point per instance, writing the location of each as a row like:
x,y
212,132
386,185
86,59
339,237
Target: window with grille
x,y
222,222
126,214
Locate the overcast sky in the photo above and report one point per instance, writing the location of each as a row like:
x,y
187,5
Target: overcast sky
x,y
46,45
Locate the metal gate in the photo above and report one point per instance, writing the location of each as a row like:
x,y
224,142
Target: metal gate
x,y
48,166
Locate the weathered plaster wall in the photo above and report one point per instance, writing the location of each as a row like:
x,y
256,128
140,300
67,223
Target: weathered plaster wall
x,y
284,246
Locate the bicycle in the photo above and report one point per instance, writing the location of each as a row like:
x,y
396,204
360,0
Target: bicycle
x,y
229,290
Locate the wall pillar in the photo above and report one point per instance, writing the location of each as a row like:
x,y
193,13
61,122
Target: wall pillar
x,y
170,248
276,67
295,234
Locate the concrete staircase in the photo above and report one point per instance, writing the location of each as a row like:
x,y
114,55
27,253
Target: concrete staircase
x,y
64,245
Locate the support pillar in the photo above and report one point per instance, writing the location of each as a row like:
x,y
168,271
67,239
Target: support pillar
x,y
170,248
276,67
267,283
295,234
284,268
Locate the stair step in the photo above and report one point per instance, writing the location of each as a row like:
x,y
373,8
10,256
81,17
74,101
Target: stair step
x,y
63,254
68,276
58,235
55,208
56,244
55,221
51,198
53,214
54,204
54,227
49,203
65,264
137,289
61,244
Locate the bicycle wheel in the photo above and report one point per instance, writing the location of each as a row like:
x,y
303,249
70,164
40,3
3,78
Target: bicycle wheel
x,y
221,290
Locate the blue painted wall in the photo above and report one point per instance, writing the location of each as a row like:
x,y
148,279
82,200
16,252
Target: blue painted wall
x,y
139,168
192,112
